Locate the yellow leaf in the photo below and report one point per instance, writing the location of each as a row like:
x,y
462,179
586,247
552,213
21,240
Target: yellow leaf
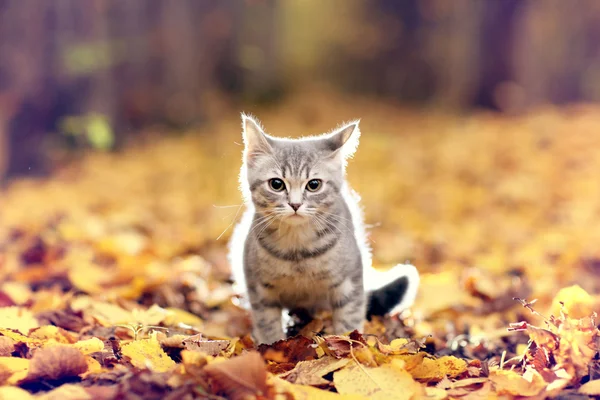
x,y
437,369
17,318
93,366
312,372
578,303
147,353
18,367
591,388
89,278
89,346
152,316
52,333
67,392
177,316
106,314
12,393
510,382
17,337
18,292
377,383
301,392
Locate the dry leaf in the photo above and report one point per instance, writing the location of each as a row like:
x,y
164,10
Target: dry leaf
x,y
577,302
377,383
301,392
16,367
240,377
14,393
511,382
52,333
591,388
210,347
89,346
147,353
67,392
177,316
7,346
56,362
17,318
435,369
312,372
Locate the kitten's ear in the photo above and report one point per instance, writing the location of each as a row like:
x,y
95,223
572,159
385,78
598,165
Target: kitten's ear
x,y
255,139
344,140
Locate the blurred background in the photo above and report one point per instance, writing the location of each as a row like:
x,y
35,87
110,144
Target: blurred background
x,y
120,142
96,73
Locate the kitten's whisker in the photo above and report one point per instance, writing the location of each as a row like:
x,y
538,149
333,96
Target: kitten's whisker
x,y
234,205
232,221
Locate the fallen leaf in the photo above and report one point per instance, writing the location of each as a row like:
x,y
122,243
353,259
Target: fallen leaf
x,y
17,318
511,382
67,392
591,388
577,302
7,346
291,350
147,353
378,383
211,347
13,393
16,367
49,333
240,377
312,372
436,369
177,316
302,392
89,346
56,362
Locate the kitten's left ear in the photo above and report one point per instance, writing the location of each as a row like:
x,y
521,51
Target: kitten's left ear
x,y
345,139
255,139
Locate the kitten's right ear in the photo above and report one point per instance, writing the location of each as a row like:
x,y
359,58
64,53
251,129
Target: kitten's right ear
x,y
255,139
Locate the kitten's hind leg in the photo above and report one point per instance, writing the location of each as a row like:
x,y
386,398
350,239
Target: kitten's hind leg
x,y
349,306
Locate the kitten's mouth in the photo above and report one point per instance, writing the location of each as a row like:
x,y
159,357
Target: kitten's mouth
x,y
295,218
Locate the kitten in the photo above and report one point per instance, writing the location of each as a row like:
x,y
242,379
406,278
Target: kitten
x,y
301,243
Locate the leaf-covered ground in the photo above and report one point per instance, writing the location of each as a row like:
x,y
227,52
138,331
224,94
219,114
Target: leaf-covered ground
x,y
114,285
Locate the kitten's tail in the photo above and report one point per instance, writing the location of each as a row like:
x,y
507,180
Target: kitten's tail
x,y
391,291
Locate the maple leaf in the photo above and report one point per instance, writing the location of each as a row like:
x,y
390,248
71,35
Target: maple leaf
x,y
240,377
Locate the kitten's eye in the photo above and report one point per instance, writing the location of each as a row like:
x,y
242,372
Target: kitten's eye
x,y
276,184
314,185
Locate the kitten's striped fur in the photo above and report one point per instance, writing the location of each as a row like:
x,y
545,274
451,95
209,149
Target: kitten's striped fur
x,y
316,257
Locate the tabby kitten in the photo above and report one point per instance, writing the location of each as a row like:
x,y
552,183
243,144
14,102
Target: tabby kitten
x,y
301,243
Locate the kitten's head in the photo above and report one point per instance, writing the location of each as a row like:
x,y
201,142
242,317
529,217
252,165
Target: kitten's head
x,y
295,180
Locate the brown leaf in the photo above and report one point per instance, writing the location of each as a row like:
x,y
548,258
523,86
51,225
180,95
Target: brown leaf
x,y
56,362
297,348
312,372
211,347
7,346
340,346
240,377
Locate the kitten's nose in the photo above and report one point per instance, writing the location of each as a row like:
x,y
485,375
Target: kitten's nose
x,y
295,206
